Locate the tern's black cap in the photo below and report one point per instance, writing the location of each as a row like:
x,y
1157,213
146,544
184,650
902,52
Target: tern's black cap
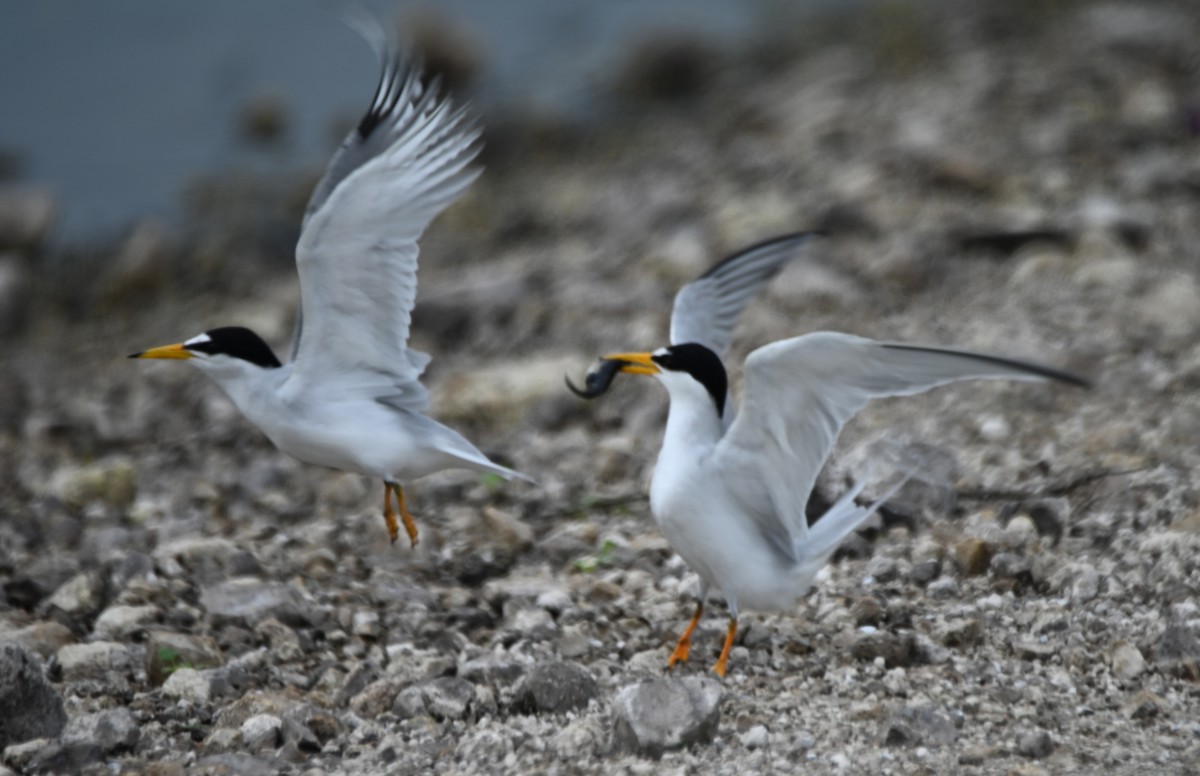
x,y
701,363
236,342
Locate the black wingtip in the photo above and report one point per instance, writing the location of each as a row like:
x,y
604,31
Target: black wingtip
x,y
793,237
1048,372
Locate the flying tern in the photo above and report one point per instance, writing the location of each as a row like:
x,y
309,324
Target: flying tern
x,y
730,488
351,397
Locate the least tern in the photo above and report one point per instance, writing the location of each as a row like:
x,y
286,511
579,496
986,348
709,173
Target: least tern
x,y
351,398
729,491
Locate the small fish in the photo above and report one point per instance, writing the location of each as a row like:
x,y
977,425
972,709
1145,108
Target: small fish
x,y
598,378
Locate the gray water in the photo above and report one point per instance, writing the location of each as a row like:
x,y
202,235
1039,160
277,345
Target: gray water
x,y
116,105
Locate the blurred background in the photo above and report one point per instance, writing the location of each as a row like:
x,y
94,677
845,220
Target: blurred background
x,y
151,94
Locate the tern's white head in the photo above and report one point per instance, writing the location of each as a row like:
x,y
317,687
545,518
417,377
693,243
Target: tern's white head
x,y
692,374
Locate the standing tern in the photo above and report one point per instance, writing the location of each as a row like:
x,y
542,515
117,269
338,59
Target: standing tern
x,y
729,491
351,398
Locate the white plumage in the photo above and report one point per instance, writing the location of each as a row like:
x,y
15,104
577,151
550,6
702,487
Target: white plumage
x,y
729,491
351,398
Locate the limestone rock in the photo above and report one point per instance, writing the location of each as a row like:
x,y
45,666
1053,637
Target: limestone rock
x,y
664,714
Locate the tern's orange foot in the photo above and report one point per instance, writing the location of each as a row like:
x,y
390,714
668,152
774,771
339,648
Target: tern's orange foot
x,y
680,655
410,526
723,660
389,515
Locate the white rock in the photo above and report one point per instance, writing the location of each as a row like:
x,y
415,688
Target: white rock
x,y
1021,530
365,623
261,732
122,621
1127,661
994,428
79,595
188,684
756,737
664,714
96,660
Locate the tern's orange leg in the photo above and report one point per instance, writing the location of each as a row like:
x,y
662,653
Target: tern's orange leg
x,y
680,655
389,515
410,526
719,668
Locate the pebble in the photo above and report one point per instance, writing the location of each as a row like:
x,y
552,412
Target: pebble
x,y
755,738
973,556
1086,584
94,660
369,698
960,632
1145,705
1021,531
660,715
1177,649
554,688
1036,744
578,739
366,624
168,652
114,730
247,601
29,586
994,428
531,622
30,707
1127,661
49,756
1011,566
80,596
122,622
43,638
943,587
913,726
261,732
445,698
283,641
190,685
896,649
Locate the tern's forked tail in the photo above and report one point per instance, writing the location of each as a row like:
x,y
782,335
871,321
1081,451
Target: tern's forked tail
x,y
840,520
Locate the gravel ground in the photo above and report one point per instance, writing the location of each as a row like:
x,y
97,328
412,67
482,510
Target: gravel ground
x,y
178,597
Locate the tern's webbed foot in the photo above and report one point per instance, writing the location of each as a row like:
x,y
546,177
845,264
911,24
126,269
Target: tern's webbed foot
x,y
680,655
389,514
720,667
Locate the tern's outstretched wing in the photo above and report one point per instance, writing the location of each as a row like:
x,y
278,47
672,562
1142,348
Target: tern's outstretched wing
x,y
707,309
797,395
409,157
